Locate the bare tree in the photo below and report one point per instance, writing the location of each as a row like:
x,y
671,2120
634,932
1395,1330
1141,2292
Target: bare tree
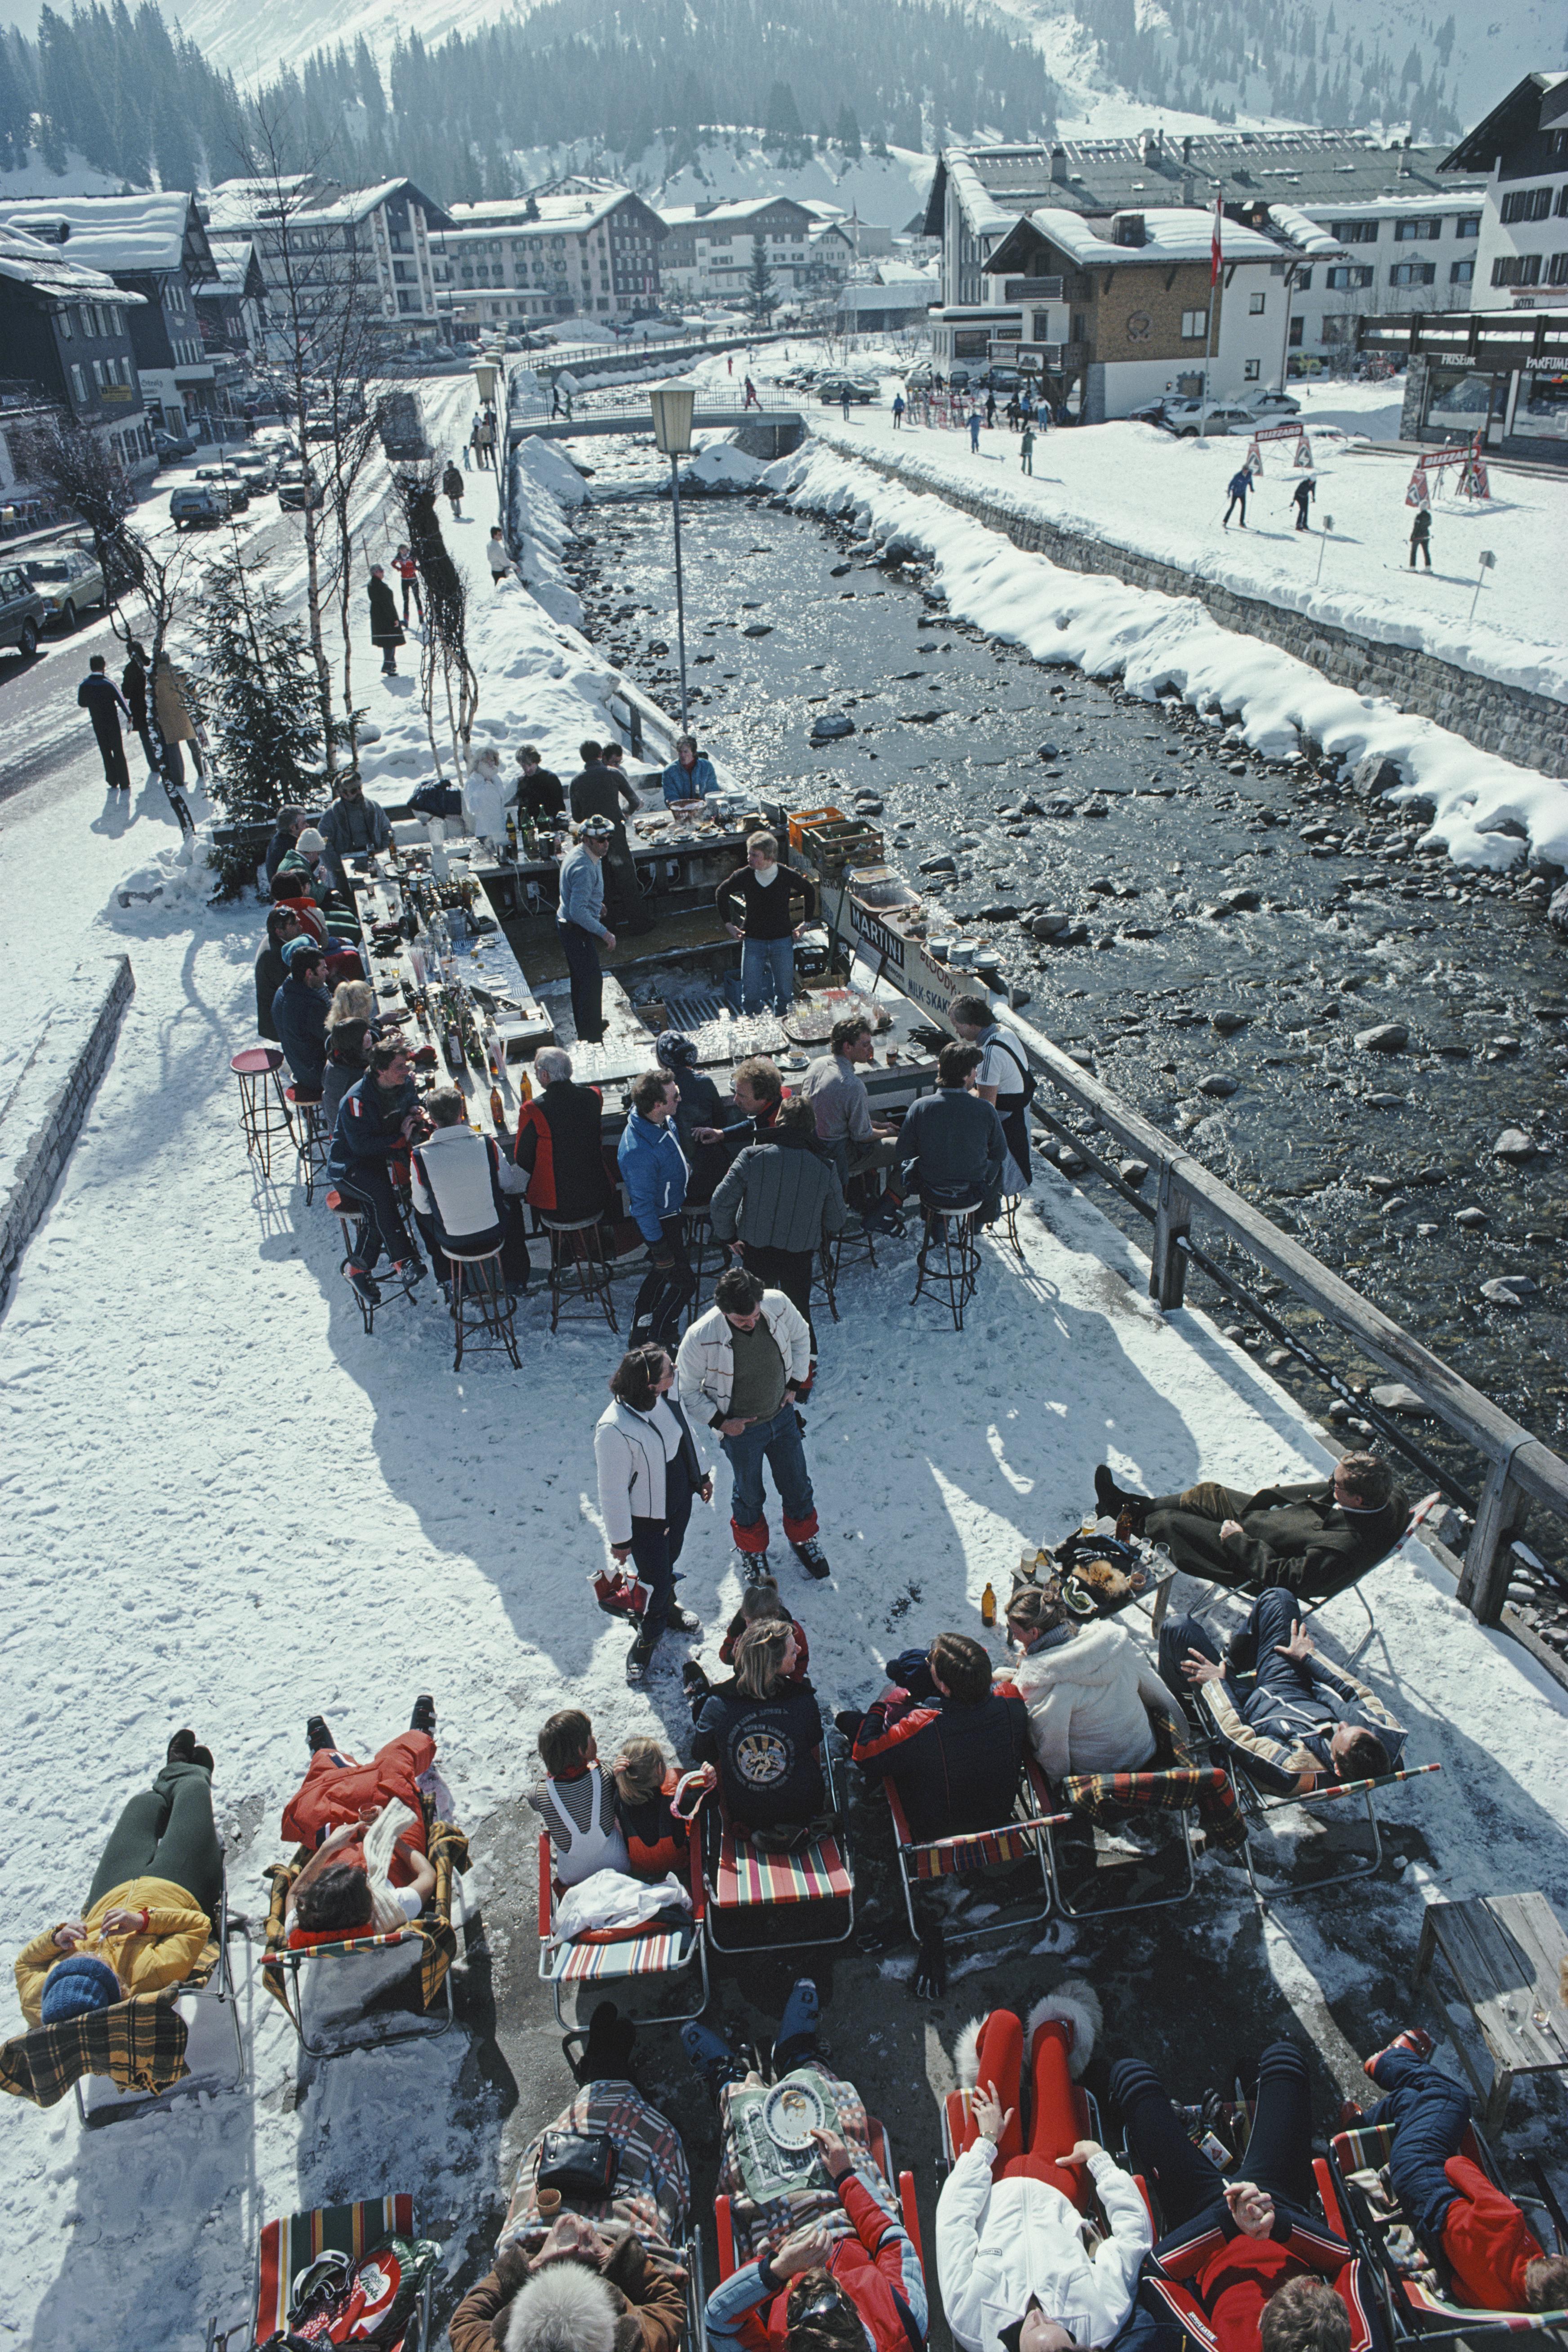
x,y
444,663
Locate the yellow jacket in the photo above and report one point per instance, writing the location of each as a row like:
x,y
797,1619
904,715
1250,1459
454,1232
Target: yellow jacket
x,y
164,1952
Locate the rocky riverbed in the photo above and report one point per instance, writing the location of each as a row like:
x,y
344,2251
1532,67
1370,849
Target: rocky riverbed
x,y
1268,959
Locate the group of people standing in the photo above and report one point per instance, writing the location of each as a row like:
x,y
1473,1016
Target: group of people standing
x,y
151,702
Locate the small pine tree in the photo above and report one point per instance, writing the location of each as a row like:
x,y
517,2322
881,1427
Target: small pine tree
x,y
761,300
259,691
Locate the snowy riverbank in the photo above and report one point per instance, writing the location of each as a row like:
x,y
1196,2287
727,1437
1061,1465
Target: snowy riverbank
x,y
1485,807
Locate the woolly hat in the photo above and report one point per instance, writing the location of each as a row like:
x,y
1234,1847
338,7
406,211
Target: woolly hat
x,y
675,1051
566,2308
299,952
77,1985
310,843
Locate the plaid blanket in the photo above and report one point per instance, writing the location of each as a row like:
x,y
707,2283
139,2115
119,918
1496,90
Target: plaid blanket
x,y
1174,1781
447,1847
756,2223
653,2187
139,2043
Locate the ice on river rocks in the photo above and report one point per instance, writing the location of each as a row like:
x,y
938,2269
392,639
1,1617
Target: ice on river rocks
x,y
1156,642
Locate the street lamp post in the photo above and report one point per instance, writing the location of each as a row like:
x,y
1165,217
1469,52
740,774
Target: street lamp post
x,y
672,405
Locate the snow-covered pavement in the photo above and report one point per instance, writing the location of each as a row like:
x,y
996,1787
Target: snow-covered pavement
x,y
225,1507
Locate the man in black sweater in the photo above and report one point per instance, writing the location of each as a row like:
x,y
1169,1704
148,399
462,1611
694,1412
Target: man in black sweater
x,y
540,794
950,1146
600,790
104,704
764,903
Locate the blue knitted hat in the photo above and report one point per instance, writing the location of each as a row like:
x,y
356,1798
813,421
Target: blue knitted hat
x,y
76,1985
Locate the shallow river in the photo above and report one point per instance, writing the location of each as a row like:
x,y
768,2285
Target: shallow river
x,y
1142,825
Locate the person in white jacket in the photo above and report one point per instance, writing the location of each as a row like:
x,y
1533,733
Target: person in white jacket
x,y
743,1364
648,1472
1091,1692
1016,2274
468,1196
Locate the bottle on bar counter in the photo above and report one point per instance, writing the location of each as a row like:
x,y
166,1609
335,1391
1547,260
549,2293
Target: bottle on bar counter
x,y
498,1110
511,835
524,1090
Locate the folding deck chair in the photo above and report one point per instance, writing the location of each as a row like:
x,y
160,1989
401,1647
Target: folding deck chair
x,y
768,1891
958,2112
212,1980
616,1955
1175,1782
288,2247
1414,2311
1022,1837
1258,1805
733,2251
432,1934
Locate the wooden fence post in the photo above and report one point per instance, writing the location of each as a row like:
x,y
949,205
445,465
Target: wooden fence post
x,y
1173,1221
1499,1516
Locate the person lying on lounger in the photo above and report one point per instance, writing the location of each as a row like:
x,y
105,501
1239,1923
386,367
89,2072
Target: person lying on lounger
x,y
1315,1539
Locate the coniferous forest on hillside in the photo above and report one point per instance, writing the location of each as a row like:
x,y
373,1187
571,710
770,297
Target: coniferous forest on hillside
x,y
132,96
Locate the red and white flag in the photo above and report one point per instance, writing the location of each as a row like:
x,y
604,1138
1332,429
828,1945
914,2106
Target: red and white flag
x,y
1214,248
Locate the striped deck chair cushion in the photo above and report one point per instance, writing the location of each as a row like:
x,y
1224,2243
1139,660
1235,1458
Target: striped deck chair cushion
x,y
944,1856
640,1956
1363,2150
817,1872
289,2247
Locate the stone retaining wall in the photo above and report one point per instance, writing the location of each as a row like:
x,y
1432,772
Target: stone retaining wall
x,y
42,1116
1529,729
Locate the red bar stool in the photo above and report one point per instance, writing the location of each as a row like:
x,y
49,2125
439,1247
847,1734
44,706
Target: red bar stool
x,y
481,1306
263,1107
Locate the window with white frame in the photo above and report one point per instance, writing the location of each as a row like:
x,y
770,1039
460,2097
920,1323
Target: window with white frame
x,y
1194,326
1416,232
1255,305
1250,372
1461,273
1413,273
1468,224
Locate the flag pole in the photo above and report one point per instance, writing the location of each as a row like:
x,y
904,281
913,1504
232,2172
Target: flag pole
x,y
1215,255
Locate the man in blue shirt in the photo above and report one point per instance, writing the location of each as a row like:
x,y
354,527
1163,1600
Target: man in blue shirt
x,y
654,1171
581,916
374,1118
689,775
299,1013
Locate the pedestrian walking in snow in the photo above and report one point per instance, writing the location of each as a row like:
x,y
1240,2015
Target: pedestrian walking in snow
x,y
496,556
750,400
134,684
407,571
554,400
385,630
973,432
105,705
1237,487
1305,492
1421,536
898,410
1014,414
1026,450
171,709
844,403
452,486
990,410
729,362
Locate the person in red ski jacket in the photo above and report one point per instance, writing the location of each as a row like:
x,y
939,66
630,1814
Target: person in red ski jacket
x,y
873,2277
1498,2263
336,1789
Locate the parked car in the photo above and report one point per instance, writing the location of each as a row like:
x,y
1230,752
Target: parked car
x,y
21,612
831,389
1266,405
199,506
255,469
1154,411
69,580
173,448
1187,419
233,485
297,490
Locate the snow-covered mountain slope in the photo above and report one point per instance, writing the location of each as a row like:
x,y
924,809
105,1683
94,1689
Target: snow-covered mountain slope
x,y
888,189
231,33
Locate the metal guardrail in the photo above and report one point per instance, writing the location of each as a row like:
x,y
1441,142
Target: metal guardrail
x,y
1520,1470
632,406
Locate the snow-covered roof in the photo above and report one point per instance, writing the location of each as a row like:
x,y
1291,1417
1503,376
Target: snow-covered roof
x,y
1393,204
236,205
132,234
1302,230
234,256
735,214
985,216
906,273
28,261
1175,232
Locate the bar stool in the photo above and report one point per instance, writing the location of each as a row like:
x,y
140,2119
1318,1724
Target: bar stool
x,y
698,1226
263,1110
830,1262
579,1271
1009,1222
350,1218
311,1141
481,1306
948,1264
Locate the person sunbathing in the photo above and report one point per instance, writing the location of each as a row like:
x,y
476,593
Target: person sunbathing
x,y
150,1908
1315,1539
